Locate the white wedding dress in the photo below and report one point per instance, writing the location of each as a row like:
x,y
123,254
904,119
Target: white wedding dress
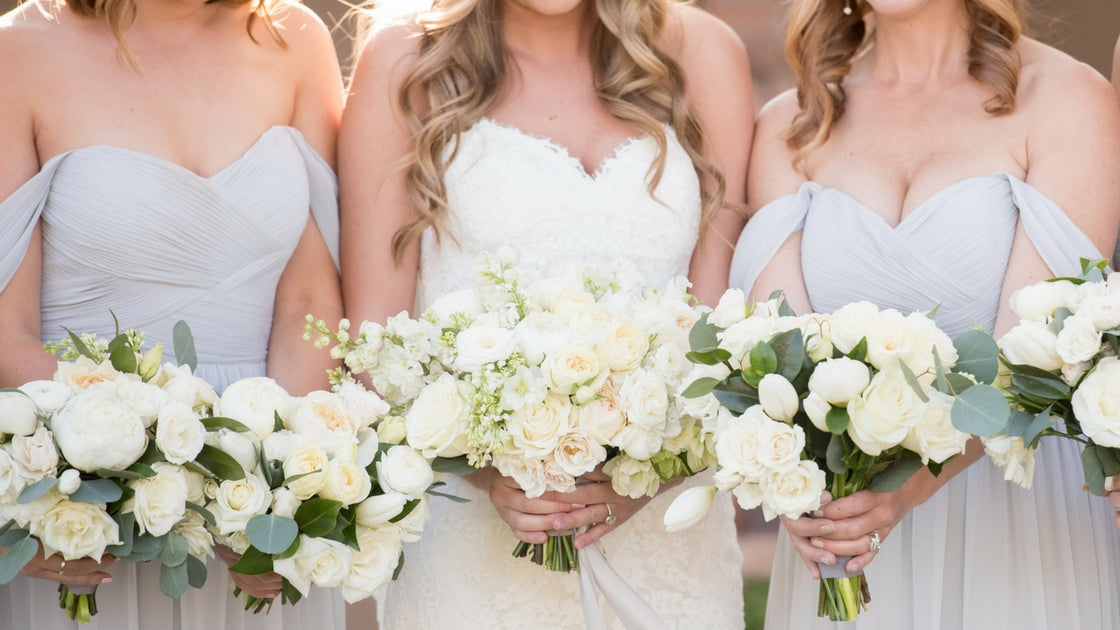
x,y
509,189
156,243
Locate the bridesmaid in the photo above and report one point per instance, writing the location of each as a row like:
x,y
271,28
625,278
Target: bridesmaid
x,y
158,158
931,156
1114,496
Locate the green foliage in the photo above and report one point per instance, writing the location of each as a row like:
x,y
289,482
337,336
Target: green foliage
x,y
271,533
183,342
981,410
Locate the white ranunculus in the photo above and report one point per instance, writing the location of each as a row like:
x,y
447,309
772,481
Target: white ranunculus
x,y
48,396
309,463
689,508
933,436
75,530
180,434
1096,403
1078,340
380,509
778,397
839,381
322,418
436,421
483,343
373,564
1102,310
851,323
793,492
1032,343
363,405
1038,302
881,418
540,334
96,430
160,501
18,414
1010,454
83,373
254,402
644,400
738,445
144,399
318,561
600,420
570,368
285,502
731,310
534,430
68,482
624,347
576,454
402,469
35,455
528,472
237,501
347,483
780,446
634,478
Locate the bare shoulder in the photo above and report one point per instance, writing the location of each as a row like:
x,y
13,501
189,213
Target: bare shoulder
x,y
28,29
700,40
772,172
390,50
1057,90
304,34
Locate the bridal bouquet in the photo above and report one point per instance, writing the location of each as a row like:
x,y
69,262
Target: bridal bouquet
x,y
101,459
1060,364
546,379
857,399
319,490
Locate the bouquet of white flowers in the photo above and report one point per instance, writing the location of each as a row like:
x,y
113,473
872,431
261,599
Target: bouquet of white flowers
x,y
860,398
318,489
546,379
101,460
1060,364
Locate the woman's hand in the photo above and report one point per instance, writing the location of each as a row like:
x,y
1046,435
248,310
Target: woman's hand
x,y
594,503
80,572
530,519
263,586
1112,486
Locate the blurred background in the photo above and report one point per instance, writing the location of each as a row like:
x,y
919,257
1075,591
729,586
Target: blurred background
x,y
1086,29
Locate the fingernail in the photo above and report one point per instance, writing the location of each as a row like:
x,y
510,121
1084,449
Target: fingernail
x,y
826,529
852,567
818,514
560,523
826,497
1108,484
816,542
107,580
825,560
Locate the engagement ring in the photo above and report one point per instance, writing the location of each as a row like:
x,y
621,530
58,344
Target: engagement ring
x,y
611,518
876,542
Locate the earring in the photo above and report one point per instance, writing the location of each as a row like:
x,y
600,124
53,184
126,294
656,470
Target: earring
x,y
847,7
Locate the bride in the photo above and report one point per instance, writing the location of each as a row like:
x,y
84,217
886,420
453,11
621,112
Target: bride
x,y
158,159
572,131
933,157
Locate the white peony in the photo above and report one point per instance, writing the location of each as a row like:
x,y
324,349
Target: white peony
x,y
851,323
96,430
144,399
1103,310
187,388
363,405
1096,403
402,469
255,402
322,417
237,446
83,373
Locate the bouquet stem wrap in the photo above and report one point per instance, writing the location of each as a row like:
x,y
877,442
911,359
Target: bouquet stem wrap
x,y
595,573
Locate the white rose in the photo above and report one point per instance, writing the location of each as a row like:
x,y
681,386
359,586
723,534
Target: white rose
x,y
748,495
1103,310
576,454
731,310
11,483
190,390
160,501
1072,373
254,402
95,430
180,434
68,482
321,417
83,373
285,502
727,479
48,397
1096,403
144,399
933,436
309,463
279,445
631,477
237,501
200,543
35,455
402,469
738,445
380,509
556,479
881,418
483,343
778,397
571,368
638,442
535,429
600,420
238,541
366,406
780,446
18,414
318,561
624,347
237,446
588,322
346,483
644,400
1078,340
838,381
196,486
793,492
75,530
1032,343
540,334
689,508
892,338
1009,453
850,324
1038,302
373,564
436,421
528,472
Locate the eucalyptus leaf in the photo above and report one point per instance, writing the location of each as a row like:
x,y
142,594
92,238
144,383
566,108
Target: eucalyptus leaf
x,y
12,534
957,383
453,465
703,336
939,381
271,533
196,572
289,552
174,580
1018,424
106,473
700,387
126,526
835,459
220,463
1110,460
144,548
913,382
175,550
1040,423
318,517
981,410
37,490
978,355
897,473
16,557
1094,469
96,491
218,422
736,402
837,420
184,345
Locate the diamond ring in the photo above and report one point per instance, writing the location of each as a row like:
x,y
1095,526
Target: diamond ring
x,y
876,542
62,568
611,518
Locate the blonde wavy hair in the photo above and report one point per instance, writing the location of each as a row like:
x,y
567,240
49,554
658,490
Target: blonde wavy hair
x,y
120,14
821,42
463,64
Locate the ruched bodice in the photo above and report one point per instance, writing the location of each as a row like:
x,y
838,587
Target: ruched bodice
x,y
157,243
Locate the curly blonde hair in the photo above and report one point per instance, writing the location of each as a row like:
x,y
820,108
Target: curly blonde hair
x,y
463,63
119,15
821,42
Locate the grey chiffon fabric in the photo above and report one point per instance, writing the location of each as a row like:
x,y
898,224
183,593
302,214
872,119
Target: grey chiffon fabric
x,y
981,553
157,243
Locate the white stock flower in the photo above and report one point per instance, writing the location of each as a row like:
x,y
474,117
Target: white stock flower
x,y
778,397
624,347
402,469
180,434
318,561
96,430
436,421
644,400
689,508
144,399
732,309
48,396
483,343
1078,340
308,462
237,501
1038,302
373,564
75,530
572,367
380,509
18,414
160,502
839,381
631,477
933,436
851,323
881,418
1009,453
35,455
322,418
780,446
1096,403
793,492
463,302
534,430
528,472
1031,343
576,454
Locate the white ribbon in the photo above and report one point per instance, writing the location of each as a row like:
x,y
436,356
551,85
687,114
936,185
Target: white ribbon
x,y
595,573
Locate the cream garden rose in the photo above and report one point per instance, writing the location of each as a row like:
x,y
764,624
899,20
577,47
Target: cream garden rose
x,y
1096,403
794,491
308,465
434,422
35,455
73,529
160,502
237,501
180,434
321,417
881,418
